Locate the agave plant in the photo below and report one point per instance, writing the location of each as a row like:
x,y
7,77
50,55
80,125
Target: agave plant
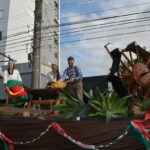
x,y
72,106
93,95
109,106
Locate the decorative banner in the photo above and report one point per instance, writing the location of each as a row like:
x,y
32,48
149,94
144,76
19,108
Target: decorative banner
x,y
135,128
8,144
61,131
6,147
140,131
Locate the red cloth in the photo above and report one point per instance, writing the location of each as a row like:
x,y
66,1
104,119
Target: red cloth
x,y
143,128
17,89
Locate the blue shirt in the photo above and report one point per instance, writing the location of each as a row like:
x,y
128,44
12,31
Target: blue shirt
x,y
73,72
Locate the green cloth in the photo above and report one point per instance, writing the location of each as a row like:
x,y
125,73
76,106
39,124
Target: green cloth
x,y
13,83
6,147
139,136
19,101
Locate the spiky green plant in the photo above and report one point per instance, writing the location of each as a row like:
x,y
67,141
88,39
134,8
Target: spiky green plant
x,y
93,95
110,106
105,104
72,107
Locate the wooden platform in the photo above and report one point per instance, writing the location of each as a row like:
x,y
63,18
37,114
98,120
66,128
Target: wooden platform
x,y
89,131
11,110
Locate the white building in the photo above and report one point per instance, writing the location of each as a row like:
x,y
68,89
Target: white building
x,y
20,29
17,23
50,50
4,13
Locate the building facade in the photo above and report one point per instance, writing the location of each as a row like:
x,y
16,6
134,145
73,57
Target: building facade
x,y
16,28
20,29
4,13
50,37
19,26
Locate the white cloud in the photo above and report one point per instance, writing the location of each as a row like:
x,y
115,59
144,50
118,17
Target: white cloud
x,y
91,55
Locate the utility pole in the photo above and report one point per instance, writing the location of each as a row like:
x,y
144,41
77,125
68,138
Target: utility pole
x,y
37,44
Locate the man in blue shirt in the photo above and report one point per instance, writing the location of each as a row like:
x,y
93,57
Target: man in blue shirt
x,y
74,75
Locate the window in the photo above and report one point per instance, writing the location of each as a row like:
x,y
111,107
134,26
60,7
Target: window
x,y
56,4
56,20
56,40
0,35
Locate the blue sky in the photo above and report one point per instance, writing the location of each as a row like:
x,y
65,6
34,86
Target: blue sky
x,y
90,55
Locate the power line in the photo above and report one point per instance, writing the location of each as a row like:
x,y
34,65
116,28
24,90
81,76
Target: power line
x,y
16,34
12,29
16,51
107,18
109,29
89,13
93,20
85,21
130,27
124,23
16,43
78,3
103,18
106,10
24,37
87,39
81,14
93,39
113,23
14,17
19,14
20,45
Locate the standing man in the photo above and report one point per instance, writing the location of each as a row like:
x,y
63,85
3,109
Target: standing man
x,y
74,74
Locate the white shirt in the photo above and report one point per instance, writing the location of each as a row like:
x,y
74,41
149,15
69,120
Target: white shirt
x,y
14,76
50,77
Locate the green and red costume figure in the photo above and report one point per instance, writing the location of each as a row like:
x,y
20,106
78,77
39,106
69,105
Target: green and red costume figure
x,y
17,92
14,85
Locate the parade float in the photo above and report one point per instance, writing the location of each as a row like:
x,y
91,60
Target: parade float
x,y
104,120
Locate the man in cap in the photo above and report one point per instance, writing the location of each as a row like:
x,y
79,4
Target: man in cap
x,y
74,75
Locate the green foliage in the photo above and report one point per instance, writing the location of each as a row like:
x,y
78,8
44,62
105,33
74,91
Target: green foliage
x,y
72,107
99,104
110,106
93,95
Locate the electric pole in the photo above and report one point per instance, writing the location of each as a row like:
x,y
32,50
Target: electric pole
x,y
37,44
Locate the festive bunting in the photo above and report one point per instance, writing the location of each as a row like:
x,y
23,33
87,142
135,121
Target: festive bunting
x,y
8,144
61,131
140,131
135,128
